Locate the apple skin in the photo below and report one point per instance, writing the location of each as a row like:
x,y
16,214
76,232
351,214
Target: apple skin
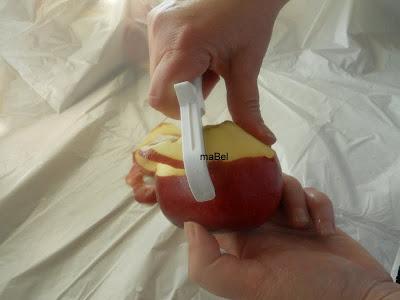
x,y
144,192
152,155
248,192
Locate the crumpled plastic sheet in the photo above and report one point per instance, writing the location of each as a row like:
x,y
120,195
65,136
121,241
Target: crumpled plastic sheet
x,y
69,228
60,48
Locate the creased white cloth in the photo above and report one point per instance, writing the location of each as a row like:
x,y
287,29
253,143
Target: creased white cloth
x,y
62,49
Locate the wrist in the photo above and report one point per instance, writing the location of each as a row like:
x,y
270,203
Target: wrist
x,y
383,291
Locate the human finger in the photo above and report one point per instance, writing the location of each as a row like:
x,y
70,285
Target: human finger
x,y
222,274
321,211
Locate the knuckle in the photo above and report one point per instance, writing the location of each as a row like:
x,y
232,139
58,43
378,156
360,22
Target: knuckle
x,y
181,33
311,191
317,198
168,108
252,106
155,102
156,19
185,36
292,183
167,26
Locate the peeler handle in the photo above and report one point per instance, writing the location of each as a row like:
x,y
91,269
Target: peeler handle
x,y
191,103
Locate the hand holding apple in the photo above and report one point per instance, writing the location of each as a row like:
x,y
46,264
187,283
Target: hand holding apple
x,y
276,261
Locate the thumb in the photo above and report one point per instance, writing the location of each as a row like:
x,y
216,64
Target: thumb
x,y
243,98
224,275
177,66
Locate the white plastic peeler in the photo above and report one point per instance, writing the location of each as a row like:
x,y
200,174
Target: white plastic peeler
x,y
191,103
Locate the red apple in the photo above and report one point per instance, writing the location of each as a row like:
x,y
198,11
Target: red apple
x,y
248,183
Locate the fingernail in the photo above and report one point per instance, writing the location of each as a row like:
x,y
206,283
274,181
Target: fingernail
x,y
189,231
301,216
327,228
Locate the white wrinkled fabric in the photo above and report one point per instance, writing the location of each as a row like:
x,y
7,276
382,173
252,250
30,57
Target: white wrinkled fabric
x,y
62,48
329,89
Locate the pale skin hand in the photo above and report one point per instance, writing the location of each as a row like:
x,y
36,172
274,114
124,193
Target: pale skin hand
x,y
226,38
288,258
